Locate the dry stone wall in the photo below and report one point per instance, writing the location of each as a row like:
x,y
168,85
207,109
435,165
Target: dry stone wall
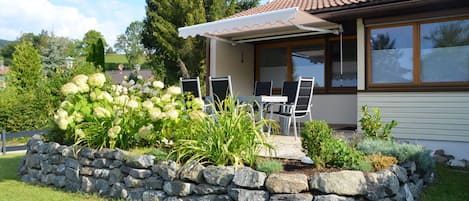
x,y
114,174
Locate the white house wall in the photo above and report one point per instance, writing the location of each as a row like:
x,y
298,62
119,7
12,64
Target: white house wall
x,y
236,61
425,116
335,109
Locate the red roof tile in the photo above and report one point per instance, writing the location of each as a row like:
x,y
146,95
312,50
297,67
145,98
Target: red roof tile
x,y
304,5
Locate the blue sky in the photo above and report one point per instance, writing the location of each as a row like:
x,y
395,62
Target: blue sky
x,y
70,18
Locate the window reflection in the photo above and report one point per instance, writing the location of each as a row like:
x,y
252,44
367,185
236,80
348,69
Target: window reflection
x,y
273,65
348,78
308,61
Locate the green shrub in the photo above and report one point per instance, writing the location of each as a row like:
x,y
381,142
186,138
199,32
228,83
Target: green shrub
x,y
324,150
373,127
403,152
228,137
269,166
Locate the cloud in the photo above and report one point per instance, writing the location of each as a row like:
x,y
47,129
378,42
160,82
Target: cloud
x,y
23,16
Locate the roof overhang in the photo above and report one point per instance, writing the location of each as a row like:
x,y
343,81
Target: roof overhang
x,y
283,23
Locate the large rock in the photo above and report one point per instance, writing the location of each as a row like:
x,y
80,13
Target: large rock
x,y
154,183
416,188
88,184
72,174
101,163
192,172
286,183
87,153
204,189
382,184
131,182
343,183
102,153
56,159
332,197
72,163
248,195
88,171
85,161
405,194
177,188
249,178
60,169
34,161
218,175
101,173
115,176
410,167
207,198
102,187
68,151
116,164
29,179
166,169
140,173
141,161
152,195
136,194
118,190
291,197
59,181
400,172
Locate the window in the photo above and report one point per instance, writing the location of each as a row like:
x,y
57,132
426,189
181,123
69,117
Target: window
x,y
420,54
320,58
444,53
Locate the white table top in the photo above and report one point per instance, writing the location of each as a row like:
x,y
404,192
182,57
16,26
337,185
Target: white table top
x,y
264,99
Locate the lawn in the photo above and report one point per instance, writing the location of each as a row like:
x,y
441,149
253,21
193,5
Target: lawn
x,y
450,184
113,60
12,189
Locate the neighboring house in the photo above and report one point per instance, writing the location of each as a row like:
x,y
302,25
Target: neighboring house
x,y
409,58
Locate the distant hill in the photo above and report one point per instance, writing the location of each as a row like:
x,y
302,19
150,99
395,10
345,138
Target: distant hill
x,y
3,42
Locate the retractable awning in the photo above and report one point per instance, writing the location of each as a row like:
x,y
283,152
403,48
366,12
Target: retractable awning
x,y
283,23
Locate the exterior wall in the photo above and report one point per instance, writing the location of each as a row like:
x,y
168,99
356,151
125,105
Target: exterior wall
x,y
236,61
335,109
360,54
424,116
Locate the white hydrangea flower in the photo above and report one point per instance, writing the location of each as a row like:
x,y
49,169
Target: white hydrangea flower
x,y
80,133
131,82
112,132
139,77
121,100
105,96
62,123
145,129
155,113
158,84
93,96
155,100
147,104
132,104
66,104
80,79
169,106
69,88
172,114
196,115
198,103
146,90
166,98
77,116
83,88
173,90
97,80
101,112
61,113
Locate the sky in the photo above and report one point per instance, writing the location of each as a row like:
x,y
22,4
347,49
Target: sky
x,y
69,18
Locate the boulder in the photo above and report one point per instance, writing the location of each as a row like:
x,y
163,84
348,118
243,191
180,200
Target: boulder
x,y
343,183
291,197
118,190
405,194
56,159
140,173
59,181
115,176
67,152
141,161
286,183
400,172
88,184
382,184
101,163
154,183
207,198
457,163
204,189
218,175
152,195
72,163
87,152
248,195
102,187
416,188
72,175
166,169
116,164
60,169
410,167
177,188
332,197
192,172
136,194
33,161
85,161
101,173
131,182
249,178
88,171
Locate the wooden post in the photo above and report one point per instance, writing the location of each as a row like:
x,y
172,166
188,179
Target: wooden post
x,y
4,142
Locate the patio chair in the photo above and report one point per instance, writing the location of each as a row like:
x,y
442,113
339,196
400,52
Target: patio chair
x,y
263,88
220,89
301,106
191,85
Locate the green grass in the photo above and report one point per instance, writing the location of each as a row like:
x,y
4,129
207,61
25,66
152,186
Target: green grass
x,y
11,189
450,184
113,60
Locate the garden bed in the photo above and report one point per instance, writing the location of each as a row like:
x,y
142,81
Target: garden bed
x,y
114,173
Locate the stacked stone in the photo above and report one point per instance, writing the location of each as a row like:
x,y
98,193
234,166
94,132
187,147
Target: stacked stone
x,y
114,174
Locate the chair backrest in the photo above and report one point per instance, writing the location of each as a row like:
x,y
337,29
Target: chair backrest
x,y
191,85
263,88
289,89
304,95
220,88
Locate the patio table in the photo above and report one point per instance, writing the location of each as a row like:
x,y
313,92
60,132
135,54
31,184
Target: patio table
x,y
262,101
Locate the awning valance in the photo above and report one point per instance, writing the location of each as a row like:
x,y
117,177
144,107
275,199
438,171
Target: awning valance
x,y
280,22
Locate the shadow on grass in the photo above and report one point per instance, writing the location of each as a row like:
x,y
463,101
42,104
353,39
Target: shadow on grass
x,y
9,164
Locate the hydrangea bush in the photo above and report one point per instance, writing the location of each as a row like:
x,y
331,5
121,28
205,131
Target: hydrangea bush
x,y
98,114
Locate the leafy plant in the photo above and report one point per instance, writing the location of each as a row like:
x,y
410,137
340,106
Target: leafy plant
x,y
380,162
229,137
324,150
269,166
403,152
373,127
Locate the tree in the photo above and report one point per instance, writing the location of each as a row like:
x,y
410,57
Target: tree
x,y
25,72
96,54
53,55
131,42
91,37
160,36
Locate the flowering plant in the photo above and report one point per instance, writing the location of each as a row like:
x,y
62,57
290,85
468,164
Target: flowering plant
x,y
98,114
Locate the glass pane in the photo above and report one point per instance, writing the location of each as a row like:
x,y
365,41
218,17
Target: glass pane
x,y
392,55
308,61
348,78
273,65
445,51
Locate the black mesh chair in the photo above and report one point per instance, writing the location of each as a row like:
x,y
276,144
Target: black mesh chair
x,y
263,88
301,105
220,89
191,86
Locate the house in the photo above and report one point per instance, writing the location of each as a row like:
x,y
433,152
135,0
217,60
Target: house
x,y
409,58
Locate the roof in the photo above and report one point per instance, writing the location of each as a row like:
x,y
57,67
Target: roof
x,y
304,5
4,70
